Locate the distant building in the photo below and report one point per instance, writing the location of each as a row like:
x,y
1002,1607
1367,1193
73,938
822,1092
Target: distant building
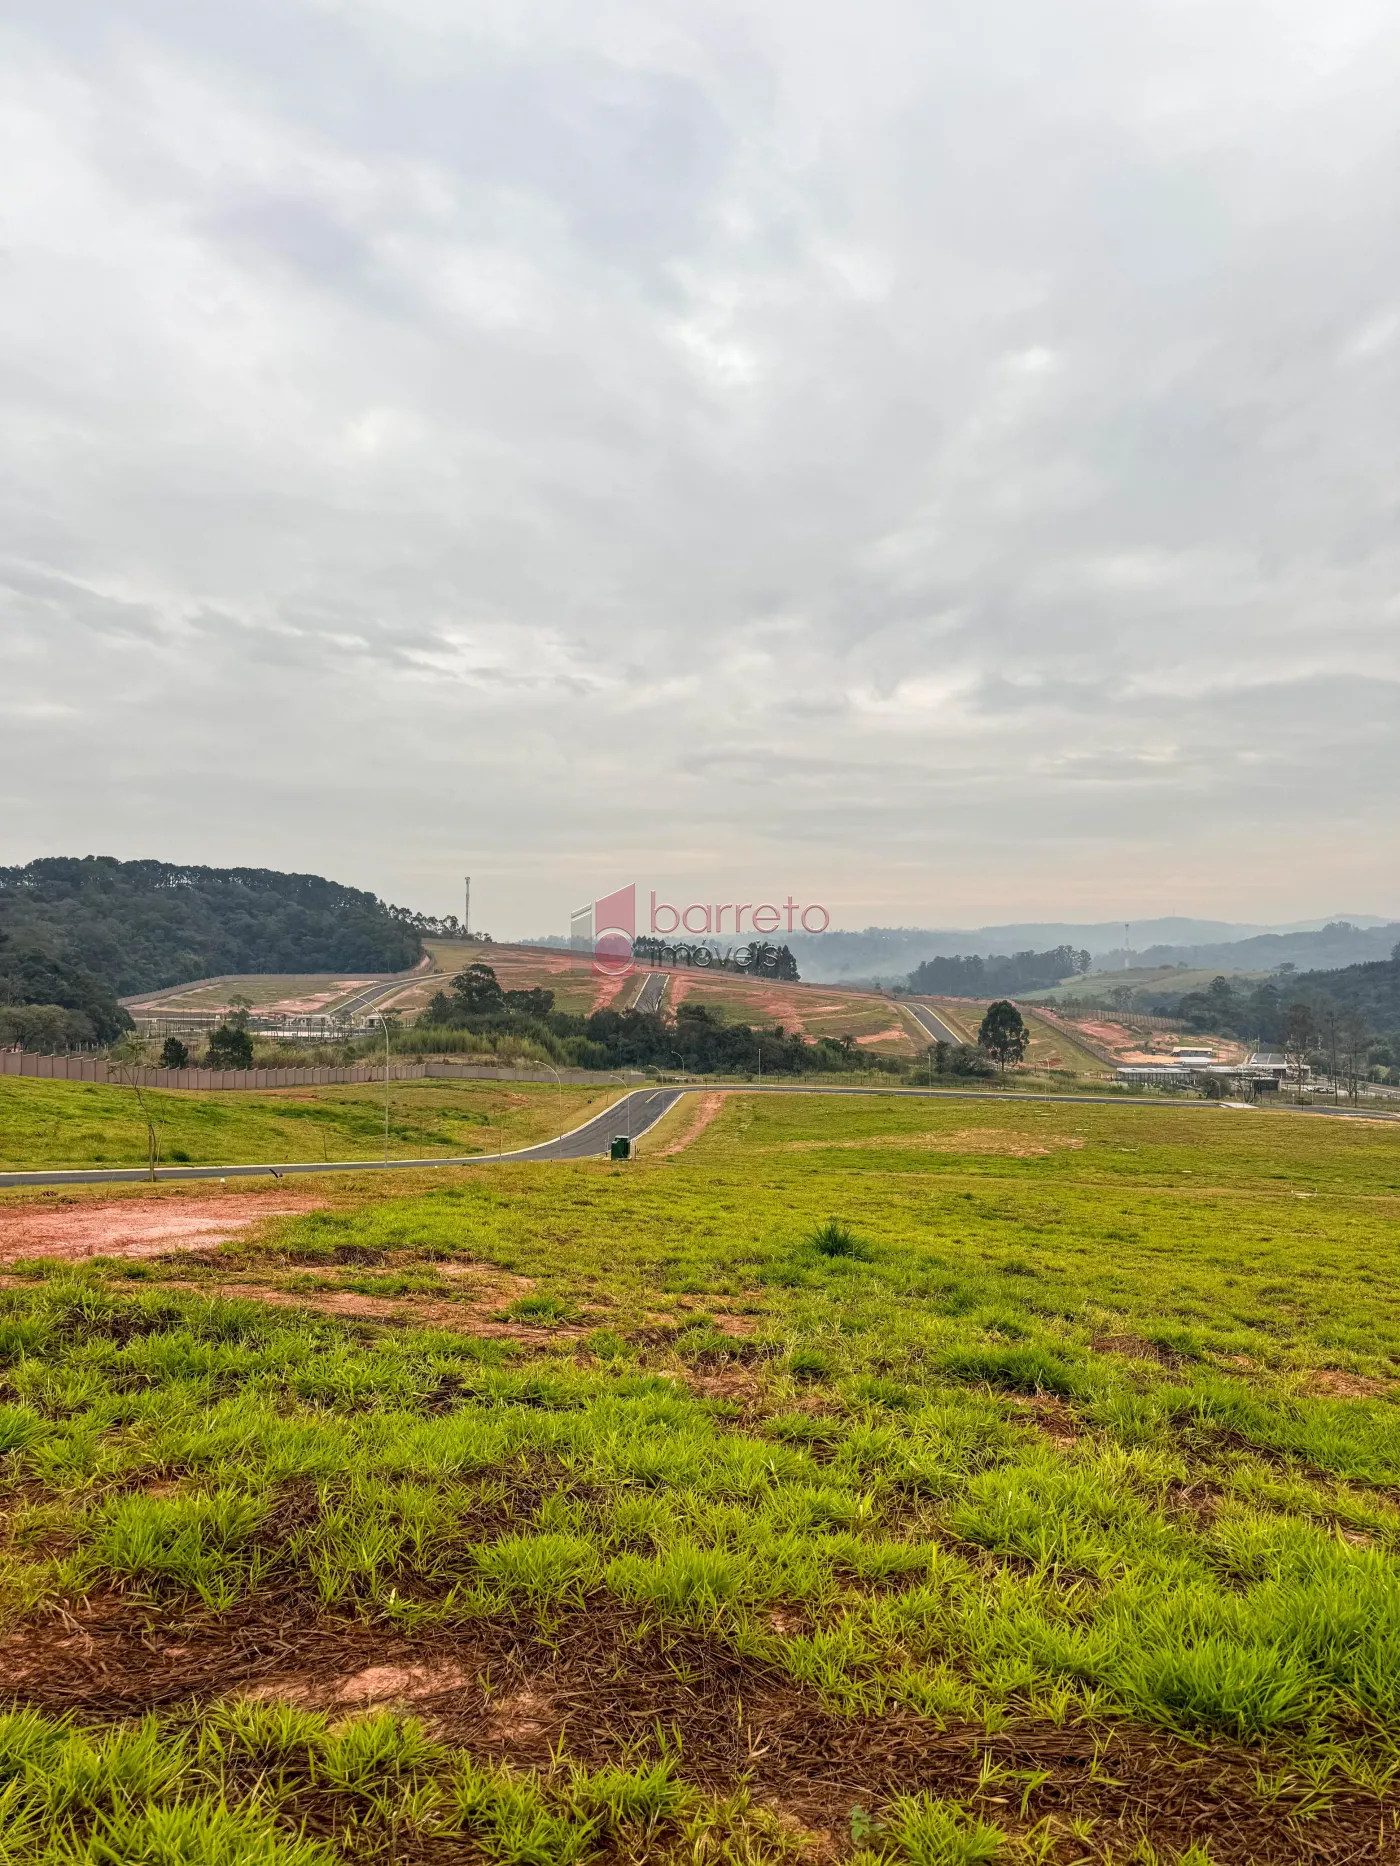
x,y
1264,1071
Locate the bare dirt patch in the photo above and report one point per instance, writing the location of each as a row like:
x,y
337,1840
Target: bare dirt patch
x,y
596,1685
138,1227
463,1318
1332,1382
1053,1417
709,1107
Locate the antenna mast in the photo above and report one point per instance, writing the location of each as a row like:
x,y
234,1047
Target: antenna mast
x,y
467,907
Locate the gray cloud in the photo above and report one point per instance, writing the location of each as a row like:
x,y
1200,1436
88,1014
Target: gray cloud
x,y
942,460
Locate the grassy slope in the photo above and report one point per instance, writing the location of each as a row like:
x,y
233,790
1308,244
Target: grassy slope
x,y
85,1124
1058,1047
569,975
1097,986
1050,1047
1047,1438
813,1010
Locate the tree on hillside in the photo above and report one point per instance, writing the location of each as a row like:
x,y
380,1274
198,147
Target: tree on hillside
x,y
1003,1033
477,989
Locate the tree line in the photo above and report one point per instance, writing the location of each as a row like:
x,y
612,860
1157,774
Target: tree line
x,y
971,976
694,1039
759,959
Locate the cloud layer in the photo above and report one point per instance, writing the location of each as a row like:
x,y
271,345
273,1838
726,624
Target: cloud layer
x,y
937,460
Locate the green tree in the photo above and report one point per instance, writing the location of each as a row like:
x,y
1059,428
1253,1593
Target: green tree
x,y
174,1054
1003,1033
229,1048
477,990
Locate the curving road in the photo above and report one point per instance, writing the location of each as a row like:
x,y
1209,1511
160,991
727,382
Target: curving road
x,y
632,1115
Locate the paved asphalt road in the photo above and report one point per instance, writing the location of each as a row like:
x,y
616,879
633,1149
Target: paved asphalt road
x,y
650,996
633,1114
933,1023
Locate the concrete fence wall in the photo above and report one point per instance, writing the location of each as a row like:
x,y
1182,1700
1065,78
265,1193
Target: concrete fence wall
x,y
124,1075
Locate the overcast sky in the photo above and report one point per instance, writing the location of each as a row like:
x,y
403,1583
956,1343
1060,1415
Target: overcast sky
x,y
942,459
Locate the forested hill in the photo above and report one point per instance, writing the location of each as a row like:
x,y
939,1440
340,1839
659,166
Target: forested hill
x,y
1260,1011
969,975
139,925
1372,990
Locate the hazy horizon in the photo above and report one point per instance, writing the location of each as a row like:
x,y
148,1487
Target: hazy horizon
x,y
938,461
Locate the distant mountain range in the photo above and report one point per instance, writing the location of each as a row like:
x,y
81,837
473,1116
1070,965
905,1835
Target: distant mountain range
x,y
889,954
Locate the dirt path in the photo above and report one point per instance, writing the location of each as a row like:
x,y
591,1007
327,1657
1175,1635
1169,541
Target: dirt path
x,y
710,1106
138,1227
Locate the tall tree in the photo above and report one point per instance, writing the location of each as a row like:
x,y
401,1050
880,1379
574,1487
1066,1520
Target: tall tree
x,y
1003,1033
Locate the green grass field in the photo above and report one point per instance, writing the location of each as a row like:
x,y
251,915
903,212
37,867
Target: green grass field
x,y
65,1124
919,1484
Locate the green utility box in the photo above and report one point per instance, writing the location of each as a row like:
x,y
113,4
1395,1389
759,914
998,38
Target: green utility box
x,y
621,1148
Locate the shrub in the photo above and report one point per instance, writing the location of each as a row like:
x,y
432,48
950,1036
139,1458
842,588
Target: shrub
x,y
835,1239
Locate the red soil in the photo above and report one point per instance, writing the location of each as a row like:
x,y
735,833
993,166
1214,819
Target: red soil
x,y
137,1227
704,1114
